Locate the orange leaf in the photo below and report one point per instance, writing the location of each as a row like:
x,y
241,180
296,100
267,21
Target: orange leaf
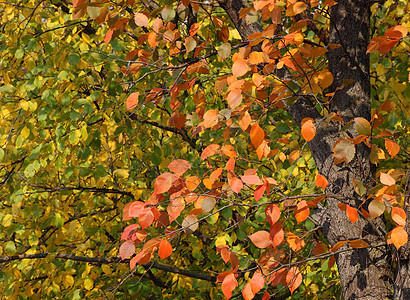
x,y
261,239
376,208
165,249
229,151
387,105
293,279
179,166
359,243
272,213
295,242
299,7
240,67
211,118
386,179
257,282
132,100
399,216
247,292
321,181
338,245
163,183
308,129
236,184
234,98
257,135
141,20
209,151
391,147
192,183
244,120
228,285
398,237
352,213
302,211
134,209
387,45
251,179
127,249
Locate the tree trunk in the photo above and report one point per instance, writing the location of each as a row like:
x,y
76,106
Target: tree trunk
x,y
364,273
402,282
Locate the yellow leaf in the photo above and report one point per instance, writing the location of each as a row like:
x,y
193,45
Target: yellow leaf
x,y
121,173
88,284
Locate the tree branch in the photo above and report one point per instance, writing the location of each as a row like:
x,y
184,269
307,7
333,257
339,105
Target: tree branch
x,y
108,260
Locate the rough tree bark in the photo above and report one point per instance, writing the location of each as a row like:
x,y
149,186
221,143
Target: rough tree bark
x,y
364,273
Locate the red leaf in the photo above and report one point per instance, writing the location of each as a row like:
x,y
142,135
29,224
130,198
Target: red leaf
x,y
165,249
259,192
177,120
294,279
146,218
228,285
136,259
127,249
209,151
128,231
261,239
278,277
179,166
302,211
272,213
308,129
276,234
163,183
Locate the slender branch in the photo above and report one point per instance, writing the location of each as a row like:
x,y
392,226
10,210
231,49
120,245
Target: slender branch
x,y
79,188
108,260
182,132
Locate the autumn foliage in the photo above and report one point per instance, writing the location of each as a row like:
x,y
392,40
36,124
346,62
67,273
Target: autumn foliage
x,y
163,136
